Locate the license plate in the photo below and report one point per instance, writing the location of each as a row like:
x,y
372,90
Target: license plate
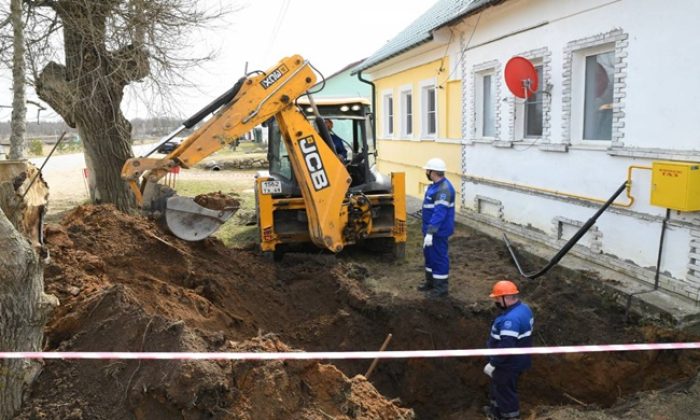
x,y
272,187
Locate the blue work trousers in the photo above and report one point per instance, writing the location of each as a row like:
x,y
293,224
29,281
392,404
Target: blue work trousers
x,y
436,260
504,394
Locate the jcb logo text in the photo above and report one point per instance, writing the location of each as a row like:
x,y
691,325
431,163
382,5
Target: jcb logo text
x,y
314,163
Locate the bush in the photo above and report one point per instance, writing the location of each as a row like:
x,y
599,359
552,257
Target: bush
x,y
70,145
36,147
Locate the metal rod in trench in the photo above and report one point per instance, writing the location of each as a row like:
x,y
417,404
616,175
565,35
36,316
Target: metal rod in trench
x,y
44,164
375,361
570,244
661,248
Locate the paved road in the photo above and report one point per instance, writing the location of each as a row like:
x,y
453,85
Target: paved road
x,y
64,174
67,185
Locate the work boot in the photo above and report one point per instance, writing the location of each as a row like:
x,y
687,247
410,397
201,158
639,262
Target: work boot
x,y
428,284
488,412
439,288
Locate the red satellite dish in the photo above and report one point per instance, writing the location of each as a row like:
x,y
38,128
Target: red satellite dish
x,y
521,77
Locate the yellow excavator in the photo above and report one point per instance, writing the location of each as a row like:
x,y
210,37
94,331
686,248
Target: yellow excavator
x,y
309,193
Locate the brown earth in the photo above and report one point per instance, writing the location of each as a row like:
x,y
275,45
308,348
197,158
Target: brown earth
x,y
127,286
218,201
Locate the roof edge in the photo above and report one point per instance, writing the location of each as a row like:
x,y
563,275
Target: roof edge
x,y
468,11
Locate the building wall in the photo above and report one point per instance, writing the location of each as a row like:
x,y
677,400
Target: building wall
x,y
345,85
403,153
544,188
410,157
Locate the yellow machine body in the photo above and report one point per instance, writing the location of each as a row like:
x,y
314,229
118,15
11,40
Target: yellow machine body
x,y
676,185
334,214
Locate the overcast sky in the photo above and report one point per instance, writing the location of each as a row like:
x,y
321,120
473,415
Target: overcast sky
x,y
329,33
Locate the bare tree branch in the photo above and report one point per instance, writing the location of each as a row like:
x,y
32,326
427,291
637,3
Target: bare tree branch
x,y
52,87
5,22
106,45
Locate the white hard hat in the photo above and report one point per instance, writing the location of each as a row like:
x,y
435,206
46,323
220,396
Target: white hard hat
x,y
436,164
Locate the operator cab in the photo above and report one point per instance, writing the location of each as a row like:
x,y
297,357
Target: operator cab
x,y
351,119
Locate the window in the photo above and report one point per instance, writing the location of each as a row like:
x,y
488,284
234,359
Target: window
x,y
533,106
598,96
388,115
407,117
429,110
486,105
595,68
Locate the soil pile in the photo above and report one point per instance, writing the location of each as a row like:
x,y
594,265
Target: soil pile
x,y
126,286
218,201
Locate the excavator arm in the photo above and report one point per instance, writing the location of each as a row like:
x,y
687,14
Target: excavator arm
x,y
322,177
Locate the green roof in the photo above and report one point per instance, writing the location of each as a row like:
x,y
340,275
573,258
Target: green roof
x,y
421,30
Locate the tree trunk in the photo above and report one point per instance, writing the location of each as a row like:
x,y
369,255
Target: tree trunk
x,y
88,92
19,104
24,308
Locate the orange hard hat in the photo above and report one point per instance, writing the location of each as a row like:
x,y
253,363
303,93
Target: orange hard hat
x,y
504,288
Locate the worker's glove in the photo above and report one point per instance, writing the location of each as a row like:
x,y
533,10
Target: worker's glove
x,y
488,370
428,240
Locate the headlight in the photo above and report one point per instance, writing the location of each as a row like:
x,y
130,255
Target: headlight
x,y
355,107
309,110
344,108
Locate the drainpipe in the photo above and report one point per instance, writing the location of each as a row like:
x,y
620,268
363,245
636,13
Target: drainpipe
x,y
374,104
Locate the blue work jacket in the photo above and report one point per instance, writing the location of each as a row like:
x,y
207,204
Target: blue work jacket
x,y
513,328
439,209
339,146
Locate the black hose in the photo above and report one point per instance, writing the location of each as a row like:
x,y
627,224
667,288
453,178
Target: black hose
x,y
570,244
217,103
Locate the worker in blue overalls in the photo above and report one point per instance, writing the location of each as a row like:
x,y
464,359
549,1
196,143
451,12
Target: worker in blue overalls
x,y
438,225
512,328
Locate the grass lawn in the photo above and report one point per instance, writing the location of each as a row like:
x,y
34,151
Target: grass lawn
x,y
233,233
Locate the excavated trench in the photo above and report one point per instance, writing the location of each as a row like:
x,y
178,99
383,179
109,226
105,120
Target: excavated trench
x,y
125,285
569,312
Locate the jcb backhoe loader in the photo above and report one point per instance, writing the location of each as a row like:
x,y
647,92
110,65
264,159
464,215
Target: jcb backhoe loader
x,y
309,193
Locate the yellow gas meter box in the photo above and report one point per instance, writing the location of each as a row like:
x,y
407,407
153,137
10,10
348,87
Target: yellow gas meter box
x,y
676,185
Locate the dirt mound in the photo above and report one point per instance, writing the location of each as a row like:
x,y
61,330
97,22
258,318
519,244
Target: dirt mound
x,y
570,309
218,201
125,285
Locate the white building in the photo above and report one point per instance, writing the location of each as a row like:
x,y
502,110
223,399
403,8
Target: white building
x,y
619,88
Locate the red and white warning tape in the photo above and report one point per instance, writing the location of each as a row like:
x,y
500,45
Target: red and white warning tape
x,y
340,355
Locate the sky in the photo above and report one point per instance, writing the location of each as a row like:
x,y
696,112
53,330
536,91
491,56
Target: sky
x,y
329,33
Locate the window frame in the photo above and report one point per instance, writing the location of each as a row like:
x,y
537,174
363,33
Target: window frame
x,y
425,87
388,117
521,105
578,92
480,105
407,130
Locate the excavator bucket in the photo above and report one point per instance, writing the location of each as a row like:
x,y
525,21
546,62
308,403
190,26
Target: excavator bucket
x,y
198,218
